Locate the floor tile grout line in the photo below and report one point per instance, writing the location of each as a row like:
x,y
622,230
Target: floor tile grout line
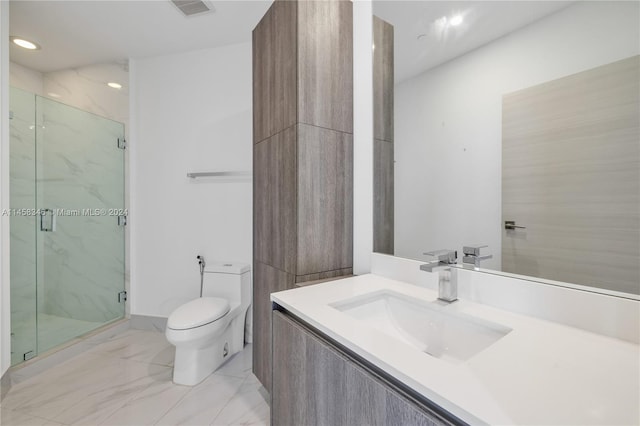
x,y
212,422
173,406
16,410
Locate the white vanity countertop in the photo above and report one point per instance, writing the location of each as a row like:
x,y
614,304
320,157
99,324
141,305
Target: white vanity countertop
x,y
540,373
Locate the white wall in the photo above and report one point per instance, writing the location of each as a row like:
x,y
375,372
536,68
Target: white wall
x,y
190,112
448,122
5,311
362,136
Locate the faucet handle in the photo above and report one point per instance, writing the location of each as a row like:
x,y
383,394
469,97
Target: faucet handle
x,y
473,250
472,255
444,255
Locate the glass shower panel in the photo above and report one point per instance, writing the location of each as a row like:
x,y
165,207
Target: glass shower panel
x,y
80,242
22,205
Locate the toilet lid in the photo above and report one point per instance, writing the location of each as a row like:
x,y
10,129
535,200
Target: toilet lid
x,y
198,312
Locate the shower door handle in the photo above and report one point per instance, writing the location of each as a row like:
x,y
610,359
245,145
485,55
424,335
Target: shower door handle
x,y
47,220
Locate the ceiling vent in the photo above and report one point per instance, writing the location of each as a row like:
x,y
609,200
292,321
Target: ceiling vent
x,y
193,7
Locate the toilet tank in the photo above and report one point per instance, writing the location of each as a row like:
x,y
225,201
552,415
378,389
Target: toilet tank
x,y
230,280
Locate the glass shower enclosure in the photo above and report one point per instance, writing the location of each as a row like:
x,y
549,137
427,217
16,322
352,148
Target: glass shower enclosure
x,y
67,220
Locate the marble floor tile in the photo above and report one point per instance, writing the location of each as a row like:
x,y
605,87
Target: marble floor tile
x,y
100,405
239,365
203,402
139,345
247,407
150,404
12,417
92,386
126,380
70,381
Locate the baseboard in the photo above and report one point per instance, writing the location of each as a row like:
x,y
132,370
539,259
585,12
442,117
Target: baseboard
x,y
148,322
153,323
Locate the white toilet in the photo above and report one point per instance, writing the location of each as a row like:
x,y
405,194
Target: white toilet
x,y
208,330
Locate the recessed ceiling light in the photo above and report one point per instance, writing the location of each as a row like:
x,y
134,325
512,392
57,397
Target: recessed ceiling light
x,y
114,85
26,44
53,95
456,20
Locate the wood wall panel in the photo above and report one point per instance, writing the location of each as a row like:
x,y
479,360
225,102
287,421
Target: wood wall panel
x,y
571,176
383,159
274,209
271,280
303,173
383,84
383,197
275,71
325,66
325,200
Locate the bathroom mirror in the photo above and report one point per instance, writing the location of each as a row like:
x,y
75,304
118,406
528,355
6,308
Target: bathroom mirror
x,y
518,111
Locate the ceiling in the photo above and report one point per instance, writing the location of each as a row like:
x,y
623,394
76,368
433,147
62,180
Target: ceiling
x,y
484,21
77,33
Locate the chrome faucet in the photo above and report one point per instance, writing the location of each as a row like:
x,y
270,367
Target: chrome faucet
x,y
447,276
472,255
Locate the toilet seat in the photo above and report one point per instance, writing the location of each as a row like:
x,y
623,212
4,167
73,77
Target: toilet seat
x,y
198,312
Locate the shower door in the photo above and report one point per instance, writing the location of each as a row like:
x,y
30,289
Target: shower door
x,y
67,223
80,230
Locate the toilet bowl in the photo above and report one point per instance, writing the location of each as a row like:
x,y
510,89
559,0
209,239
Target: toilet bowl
x,y
208,330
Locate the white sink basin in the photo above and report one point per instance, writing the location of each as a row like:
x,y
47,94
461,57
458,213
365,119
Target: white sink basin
x,y
429,327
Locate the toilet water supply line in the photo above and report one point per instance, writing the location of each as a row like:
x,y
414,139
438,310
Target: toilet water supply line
x,y
201,263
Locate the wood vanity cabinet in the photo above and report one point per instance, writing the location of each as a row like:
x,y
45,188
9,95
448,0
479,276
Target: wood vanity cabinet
x,y
302,154
317,383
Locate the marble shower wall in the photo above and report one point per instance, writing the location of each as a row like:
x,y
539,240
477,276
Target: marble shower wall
x,y
84,88
80,174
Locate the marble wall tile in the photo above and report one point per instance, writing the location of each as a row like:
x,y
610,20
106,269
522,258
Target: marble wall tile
x,y
72,262
81,168
25,78
86,88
